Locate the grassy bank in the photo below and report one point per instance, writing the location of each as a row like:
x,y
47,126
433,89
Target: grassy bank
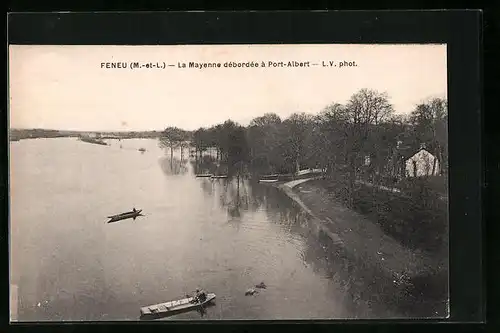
x,y
417,217
417,279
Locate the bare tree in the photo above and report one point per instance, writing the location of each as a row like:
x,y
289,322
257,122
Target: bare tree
x,y
364,110
429,121
172,138
298,125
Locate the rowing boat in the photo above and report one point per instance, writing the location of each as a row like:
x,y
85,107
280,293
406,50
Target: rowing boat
x,y
204,175
126,215
174,307
268,181
219,177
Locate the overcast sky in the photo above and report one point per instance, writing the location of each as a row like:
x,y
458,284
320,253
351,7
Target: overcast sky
x,y
64,87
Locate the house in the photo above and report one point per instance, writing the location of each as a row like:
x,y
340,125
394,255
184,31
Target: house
x,y
406,161
421,164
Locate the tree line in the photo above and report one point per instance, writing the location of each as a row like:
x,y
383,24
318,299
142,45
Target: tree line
x,y
339,139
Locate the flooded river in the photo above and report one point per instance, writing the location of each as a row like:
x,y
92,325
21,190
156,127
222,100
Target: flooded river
x,y
67,263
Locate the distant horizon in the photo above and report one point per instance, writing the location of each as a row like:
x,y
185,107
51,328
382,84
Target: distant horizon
x,y
189,130
72,88
79,130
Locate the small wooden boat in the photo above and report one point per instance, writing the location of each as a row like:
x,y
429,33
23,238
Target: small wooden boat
x,y
268,181
219,177
142,150
269,176
174,307
204,175
127,215
285,177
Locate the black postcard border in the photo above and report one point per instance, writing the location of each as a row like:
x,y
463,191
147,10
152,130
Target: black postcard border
x,y
460,30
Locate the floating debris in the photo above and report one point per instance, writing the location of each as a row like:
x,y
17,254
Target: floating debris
x,y
250,292
261,285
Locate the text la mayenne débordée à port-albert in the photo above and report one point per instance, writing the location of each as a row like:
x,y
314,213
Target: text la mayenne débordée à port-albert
x,y
227,64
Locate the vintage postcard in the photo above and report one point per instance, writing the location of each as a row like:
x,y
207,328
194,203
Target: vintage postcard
x,y
228,182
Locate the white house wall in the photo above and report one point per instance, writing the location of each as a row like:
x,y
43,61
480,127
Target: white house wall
x,y
424,161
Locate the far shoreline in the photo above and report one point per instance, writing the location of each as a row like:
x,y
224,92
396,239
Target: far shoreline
x,y
23,134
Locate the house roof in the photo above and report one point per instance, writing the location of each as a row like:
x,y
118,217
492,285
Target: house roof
x,y
411,152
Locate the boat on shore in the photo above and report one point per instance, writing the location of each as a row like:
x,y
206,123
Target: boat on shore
x,y
268,180
174,307
309,173
204,175
274,178
127,215
218,176
269,176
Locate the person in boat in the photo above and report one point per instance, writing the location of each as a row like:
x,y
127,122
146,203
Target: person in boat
x,y
134,210
196,295
200,296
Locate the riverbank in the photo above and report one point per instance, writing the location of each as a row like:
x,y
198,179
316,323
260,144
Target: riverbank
x,y
414,271
16,134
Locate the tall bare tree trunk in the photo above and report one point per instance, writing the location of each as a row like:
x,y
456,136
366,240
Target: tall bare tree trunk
x,y
172,157
238,182
297,164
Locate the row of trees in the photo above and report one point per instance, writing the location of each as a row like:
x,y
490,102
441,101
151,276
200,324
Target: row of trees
x,y
338,139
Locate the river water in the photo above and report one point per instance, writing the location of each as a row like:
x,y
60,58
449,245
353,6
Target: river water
x,y
67,263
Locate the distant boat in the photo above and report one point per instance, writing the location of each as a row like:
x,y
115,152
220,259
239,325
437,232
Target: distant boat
x,y
204,175
142,150
174,307
127,215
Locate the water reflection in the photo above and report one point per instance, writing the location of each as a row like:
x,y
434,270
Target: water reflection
x,y
228,236
370,292
173,166
206,165
235,197
207,186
